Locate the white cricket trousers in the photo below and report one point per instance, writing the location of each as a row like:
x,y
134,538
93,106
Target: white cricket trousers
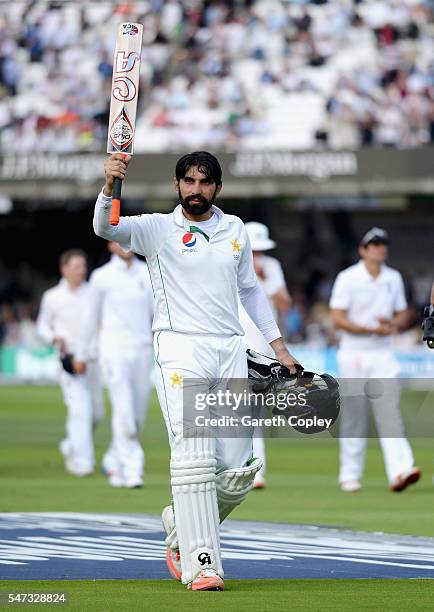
x,y
209,358
127,375
371,365
82,394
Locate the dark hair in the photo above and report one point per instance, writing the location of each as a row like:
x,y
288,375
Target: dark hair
x,y
66,256
205,162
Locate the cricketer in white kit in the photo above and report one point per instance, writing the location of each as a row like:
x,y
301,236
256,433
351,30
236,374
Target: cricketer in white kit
x,y
121,312
199,260
271,278
368,305
59,323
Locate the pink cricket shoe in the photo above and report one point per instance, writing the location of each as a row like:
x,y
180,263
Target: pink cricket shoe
x,y
207,580
259,482
406,479
173,560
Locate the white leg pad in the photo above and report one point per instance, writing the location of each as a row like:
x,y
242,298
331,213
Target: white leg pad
x,y
168,519
192,469
233,485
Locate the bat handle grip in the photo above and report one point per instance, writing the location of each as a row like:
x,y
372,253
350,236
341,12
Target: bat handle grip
x,y
116,201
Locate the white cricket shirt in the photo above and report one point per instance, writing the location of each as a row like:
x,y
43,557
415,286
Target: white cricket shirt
x,y
123,305
366,298
195,277
61,315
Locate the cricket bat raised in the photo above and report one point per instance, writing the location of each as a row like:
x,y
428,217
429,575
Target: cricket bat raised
x,y
123,103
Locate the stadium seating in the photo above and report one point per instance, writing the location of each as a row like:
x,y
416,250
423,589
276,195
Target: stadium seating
x,y
222,74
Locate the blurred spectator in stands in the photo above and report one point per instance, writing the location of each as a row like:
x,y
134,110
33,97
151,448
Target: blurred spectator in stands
x,y
294,320
421,284
17,325
319,329
27,336
10,325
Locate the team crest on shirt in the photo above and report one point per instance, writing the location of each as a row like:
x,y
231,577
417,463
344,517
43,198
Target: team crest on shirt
x,y
176,379
189,242
236,249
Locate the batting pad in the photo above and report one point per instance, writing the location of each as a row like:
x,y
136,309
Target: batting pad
x,y
192,469
168,520
233,485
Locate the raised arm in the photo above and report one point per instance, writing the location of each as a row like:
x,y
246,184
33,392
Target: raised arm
x,y
114,166
144,234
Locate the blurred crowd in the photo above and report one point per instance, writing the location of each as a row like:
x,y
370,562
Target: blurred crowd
x,y
17,326
19,297
238,74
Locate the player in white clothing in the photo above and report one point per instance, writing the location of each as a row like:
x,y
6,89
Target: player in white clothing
x,y
368,305
199,260
59,323
271,278
121,310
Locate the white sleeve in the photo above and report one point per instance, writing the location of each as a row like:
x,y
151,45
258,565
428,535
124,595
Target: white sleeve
x,y
257,307
90,322
139,233
401,300
44,322
120,233
340,297
246,276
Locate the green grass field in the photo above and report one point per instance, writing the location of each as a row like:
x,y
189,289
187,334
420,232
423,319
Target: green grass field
x,y
239,596
302,488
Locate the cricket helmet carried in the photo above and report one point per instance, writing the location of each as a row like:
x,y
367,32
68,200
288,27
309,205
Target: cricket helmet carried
x,y
314,396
